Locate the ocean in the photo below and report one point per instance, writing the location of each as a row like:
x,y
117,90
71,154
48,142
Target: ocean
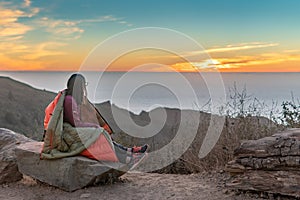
x,y
138,91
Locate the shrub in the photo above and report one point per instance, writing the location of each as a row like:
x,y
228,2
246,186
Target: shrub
x,y
290,115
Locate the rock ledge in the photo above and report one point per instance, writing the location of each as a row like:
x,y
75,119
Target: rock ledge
x,y
270,164
69,174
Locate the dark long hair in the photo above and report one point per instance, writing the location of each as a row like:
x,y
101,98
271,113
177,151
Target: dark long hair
x,y
75,87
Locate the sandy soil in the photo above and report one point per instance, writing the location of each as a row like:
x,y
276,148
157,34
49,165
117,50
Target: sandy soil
x,y
131,186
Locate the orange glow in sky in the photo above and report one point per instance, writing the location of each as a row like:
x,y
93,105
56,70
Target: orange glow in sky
x,y
39,36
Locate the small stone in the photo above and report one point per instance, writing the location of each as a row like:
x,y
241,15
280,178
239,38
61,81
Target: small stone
x,y
85,195
225,191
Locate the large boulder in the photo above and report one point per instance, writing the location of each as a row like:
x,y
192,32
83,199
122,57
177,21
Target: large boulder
x,y
8,165
69,173
270,164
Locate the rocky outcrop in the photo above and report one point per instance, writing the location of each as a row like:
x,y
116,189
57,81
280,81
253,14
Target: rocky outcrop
x,y
270,164
8,165
70,173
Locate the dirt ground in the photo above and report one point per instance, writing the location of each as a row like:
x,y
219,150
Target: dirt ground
x,y
134,185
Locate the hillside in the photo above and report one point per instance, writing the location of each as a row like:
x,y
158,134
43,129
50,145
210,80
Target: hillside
x,y
22,110
22,107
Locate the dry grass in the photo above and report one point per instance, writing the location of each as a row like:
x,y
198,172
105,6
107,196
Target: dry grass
x,y
243,121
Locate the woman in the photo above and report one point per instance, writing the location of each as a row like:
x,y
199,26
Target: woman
x,y
76,127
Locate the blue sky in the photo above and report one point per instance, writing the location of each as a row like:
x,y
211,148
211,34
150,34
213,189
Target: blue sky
x,y
64,25
257,19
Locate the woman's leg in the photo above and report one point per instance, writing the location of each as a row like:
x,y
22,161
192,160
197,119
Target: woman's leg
x,y
128,157
139,149
121,146
124,154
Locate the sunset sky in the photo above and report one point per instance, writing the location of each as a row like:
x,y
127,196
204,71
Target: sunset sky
x,y
238,35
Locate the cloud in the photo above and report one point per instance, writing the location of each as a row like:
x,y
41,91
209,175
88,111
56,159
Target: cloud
x,y
105,18
10,16
231,47
68,30
237,62
9,22
21,55
33,12
44,49
262,59
194,55
205,65
8,63
13,38
10,48
12,34
27,3
72,29
62,29
125,23
211,64
24,51
17,50
14,29
243,46
13,46
292,51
